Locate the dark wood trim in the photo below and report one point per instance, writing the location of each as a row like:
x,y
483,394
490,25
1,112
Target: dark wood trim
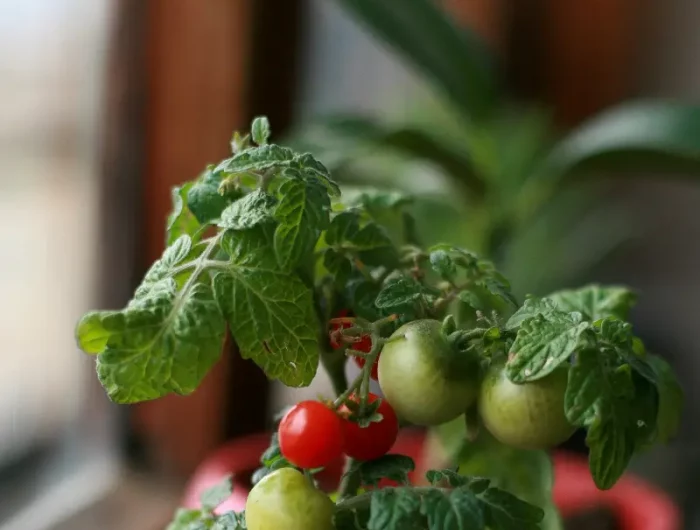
x,y
122,165
197,55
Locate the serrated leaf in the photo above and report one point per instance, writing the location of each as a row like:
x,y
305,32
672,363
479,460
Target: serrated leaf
x,y
401,292
454,510
230,521
442,477
311,165
164,341
395,509
442,264
270,312
596,398
338,265
260,130
542,344
181,220
302,212
205,201
257,159
362,293
91,332
499,288
256,208
595,302
212,497
531,308
190,520
505,511
369,242
392,467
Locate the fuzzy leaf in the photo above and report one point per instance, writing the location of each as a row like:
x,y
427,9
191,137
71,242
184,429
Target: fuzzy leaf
x,y
542,344
270,312
505,511
595,302
395,509
531,308
212,497
458,509
302,212
260,130
251,210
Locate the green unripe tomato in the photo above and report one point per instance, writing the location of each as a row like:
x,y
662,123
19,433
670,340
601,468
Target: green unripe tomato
x,y
285,499
526,416
418,377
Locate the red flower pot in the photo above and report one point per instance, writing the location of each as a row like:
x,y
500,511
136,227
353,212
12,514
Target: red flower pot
x,y
635,504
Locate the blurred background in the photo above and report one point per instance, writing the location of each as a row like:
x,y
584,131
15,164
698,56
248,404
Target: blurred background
x,y
104,105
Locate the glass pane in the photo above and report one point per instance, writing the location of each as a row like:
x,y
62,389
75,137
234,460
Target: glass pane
x,y
51,68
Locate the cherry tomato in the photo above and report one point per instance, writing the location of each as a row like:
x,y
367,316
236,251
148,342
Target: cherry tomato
x,y
373,441
286,500
529,415
417,381
311,435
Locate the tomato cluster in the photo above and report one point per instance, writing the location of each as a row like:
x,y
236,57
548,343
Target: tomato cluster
x,y
312,434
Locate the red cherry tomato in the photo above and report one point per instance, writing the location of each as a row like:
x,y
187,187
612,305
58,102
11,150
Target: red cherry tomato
x,y
372,441
311,435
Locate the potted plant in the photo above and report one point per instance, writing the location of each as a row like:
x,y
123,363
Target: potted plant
x,y
263,246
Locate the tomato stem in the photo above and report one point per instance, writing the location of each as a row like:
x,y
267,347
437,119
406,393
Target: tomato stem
x,y
350,482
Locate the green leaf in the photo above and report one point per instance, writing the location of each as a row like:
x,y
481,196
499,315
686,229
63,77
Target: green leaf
x,y
165,341
595,302
362,293
531,308
446,476
302,212
369,242
542,344
442,264
505,511
458,509
400,293
190,520
338,265
260,130
452,58
600,397
91,333
257,159
392,467
230,521
638,136
253,209
270,312
395,509
204,199
181,220
217,494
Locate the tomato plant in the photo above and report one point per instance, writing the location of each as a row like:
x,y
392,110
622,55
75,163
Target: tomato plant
x,y
450,341
375,436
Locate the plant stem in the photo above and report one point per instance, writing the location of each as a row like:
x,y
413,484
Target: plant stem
x,y
350,482
357,383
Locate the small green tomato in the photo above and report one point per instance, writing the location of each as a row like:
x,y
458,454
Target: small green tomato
x,y
285,499
526,416
417,375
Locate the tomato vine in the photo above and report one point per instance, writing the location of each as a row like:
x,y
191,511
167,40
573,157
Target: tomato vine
x,y
302,277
